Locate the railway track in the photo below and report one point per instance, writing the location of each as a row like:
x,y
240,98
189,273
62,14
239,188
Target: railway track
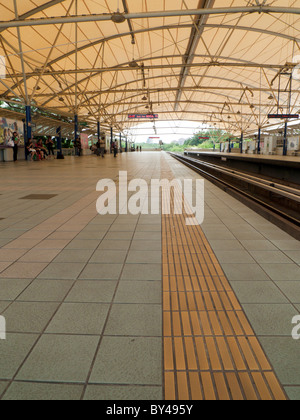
x,y
275,201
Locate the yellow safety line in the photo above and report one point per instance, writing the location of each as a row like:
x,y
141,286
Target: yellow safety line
x,y
210,350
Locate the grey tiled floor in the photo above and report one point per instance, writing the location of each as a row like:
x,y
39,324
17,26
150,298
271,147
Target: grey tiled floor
x,y
81,293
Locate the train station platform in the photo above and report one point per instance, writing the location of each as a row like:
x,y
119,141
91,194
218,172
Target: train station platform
x,y
286,168
141,307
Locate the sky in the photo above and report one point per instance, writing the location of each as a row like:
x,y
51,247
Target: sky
x,y
167,131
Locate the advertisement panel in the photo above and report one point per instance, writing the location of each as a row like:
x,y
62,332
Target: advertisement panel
x,y
7,128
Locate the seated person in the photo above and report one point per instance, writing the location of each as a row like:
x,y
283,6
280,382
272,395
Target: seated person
x,y
42,149
31,151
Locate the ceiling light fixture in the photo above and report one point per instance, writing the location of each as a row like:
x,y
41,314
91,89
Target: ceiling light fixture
x,y
118,17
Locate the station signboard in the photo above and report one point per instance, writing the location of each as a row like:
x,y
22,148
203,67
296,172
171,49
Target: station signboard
x,y
283,116
142,116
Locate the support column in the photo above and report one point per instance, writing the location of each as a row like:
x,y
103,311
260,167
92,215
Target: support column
x,y
59,144
98,131
285,140
241,142
28,123
111,138
259,141
28,128
76,127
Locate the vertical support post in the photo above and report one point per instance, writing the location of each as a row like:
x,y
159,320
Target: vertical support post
x,y
285,140
76,127
98,131
111,138
121,142
28,134
59,143
242,142
259,141
126,146
28,129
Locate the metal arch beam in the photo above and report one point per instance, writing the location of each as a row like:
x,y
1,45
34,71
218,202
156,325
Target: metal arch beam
x,y
195,36
37,10
169,27
124,64
162,89
156,67
148,15
157,89
93,44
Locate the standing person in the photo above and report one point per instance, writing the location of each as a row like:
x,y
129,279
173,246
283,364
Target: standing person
x,y
50,146
115,146
102,147
16,141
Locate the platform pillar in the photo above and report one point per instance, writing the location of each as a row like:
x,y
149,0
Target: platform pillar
x,y
59,143
285,140
98,131
111,139
28,128
242,142
259,141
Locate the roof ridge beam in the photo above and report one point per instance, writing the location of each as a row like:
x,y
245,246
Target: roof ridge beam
x,y
148,15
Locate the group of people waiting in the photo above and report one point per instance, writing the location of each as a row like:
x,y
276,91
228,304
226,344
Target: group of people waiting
x,y
37,150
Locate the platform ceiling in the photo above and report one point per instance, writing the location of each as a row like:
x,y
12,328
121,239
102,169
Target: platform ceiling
x,y
197,60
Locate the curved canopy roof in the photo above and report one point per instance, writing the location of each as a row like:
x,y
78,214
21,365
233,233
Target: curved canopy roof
x,y
229,66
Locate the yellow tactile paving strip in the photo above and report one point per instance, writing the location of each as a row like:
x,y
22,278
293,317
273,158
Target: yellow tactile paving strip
x,y
210,349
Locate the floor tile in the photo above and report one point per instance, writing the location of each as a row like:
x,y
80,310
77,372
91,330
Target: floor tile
x,y
128,360
109,257
29,316
79,318
270,319
143,272
28,391
60,358
46,291
92,291
117,245
144,257
23,270
40,256
136,320
284,354
62,271
258,292
83,244
233,257
291,289
74,256
270,257
13,352
282,271
293,392
123,393
139,292
102,272
10,289
244,272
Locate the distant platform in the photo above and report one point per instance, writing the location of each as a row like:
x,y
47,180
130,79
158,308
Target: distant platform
x,y
286,168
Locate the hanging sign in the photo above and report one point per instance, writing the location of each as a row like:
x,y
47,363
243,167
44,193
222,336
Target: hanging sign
x,y
283,116
142,116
